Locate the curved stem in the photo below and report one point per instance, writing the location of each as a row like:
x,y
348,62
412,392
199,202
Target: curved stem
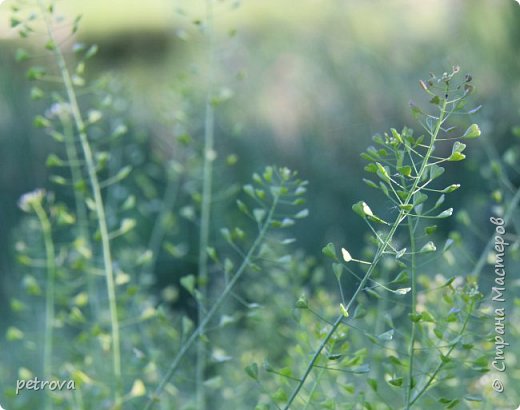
x,y
380,251
205,210
98,201
215,306
79,199
441,363
413,280
49,296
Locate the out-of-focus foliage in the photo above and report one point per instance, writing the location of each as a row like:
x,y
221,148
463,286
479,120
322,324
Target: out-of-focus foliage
x,y
304,86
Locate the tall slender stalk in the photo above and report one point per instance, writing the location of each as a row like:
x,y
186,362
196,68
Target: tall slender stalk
x,y
98,201
217,304
205,208
383,246
413,280
79,201
49,294
441,364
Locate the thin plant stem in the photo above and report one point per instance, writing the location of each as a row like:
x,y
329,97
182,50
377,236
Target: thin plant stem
x,y
49,294
205,209
215,306
413,285
315,386
160,225
79,201
379,253
441,363
98,201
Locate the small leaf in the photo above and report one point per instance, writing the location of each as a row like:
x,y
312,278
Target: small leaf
x,y
330,251
259,214
382,172
400,253
338,270
402,277
448,245
456,156
366,209
13,334
304,213
474,110
396,135
436,171
473,398
364,368
242,207
91,52
188,283
419,198
343,310
397,382
428,247
445,214
451,188
473,131
212,253
252,371
439,201
226,234
138,389
36,73
416,111
430,229
406,170
359,312
286,222
22,55
302,303
127,224
386,336
249,190
415,317
370,183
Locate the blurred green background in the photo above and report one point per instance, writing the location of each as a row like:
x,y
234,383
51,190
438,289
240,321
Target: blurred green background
x,y
304,86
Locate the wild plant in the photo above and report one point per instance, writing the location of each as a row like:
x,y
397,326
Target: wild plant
x,y
99,224
407,169
92,234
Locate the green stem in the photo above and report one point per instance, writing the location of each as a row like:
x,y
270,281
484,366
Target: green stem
x,y
215,306
441,364
98,201
79,200
413,279
205,210
382,248
49,297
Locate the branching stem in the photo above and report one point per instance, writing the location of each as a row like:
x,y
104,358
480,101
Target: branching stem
x,y
98,201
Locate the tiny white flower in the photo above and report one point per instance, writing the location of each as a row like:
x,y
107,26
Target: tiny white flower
x,y
27,200
346,255
367,210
